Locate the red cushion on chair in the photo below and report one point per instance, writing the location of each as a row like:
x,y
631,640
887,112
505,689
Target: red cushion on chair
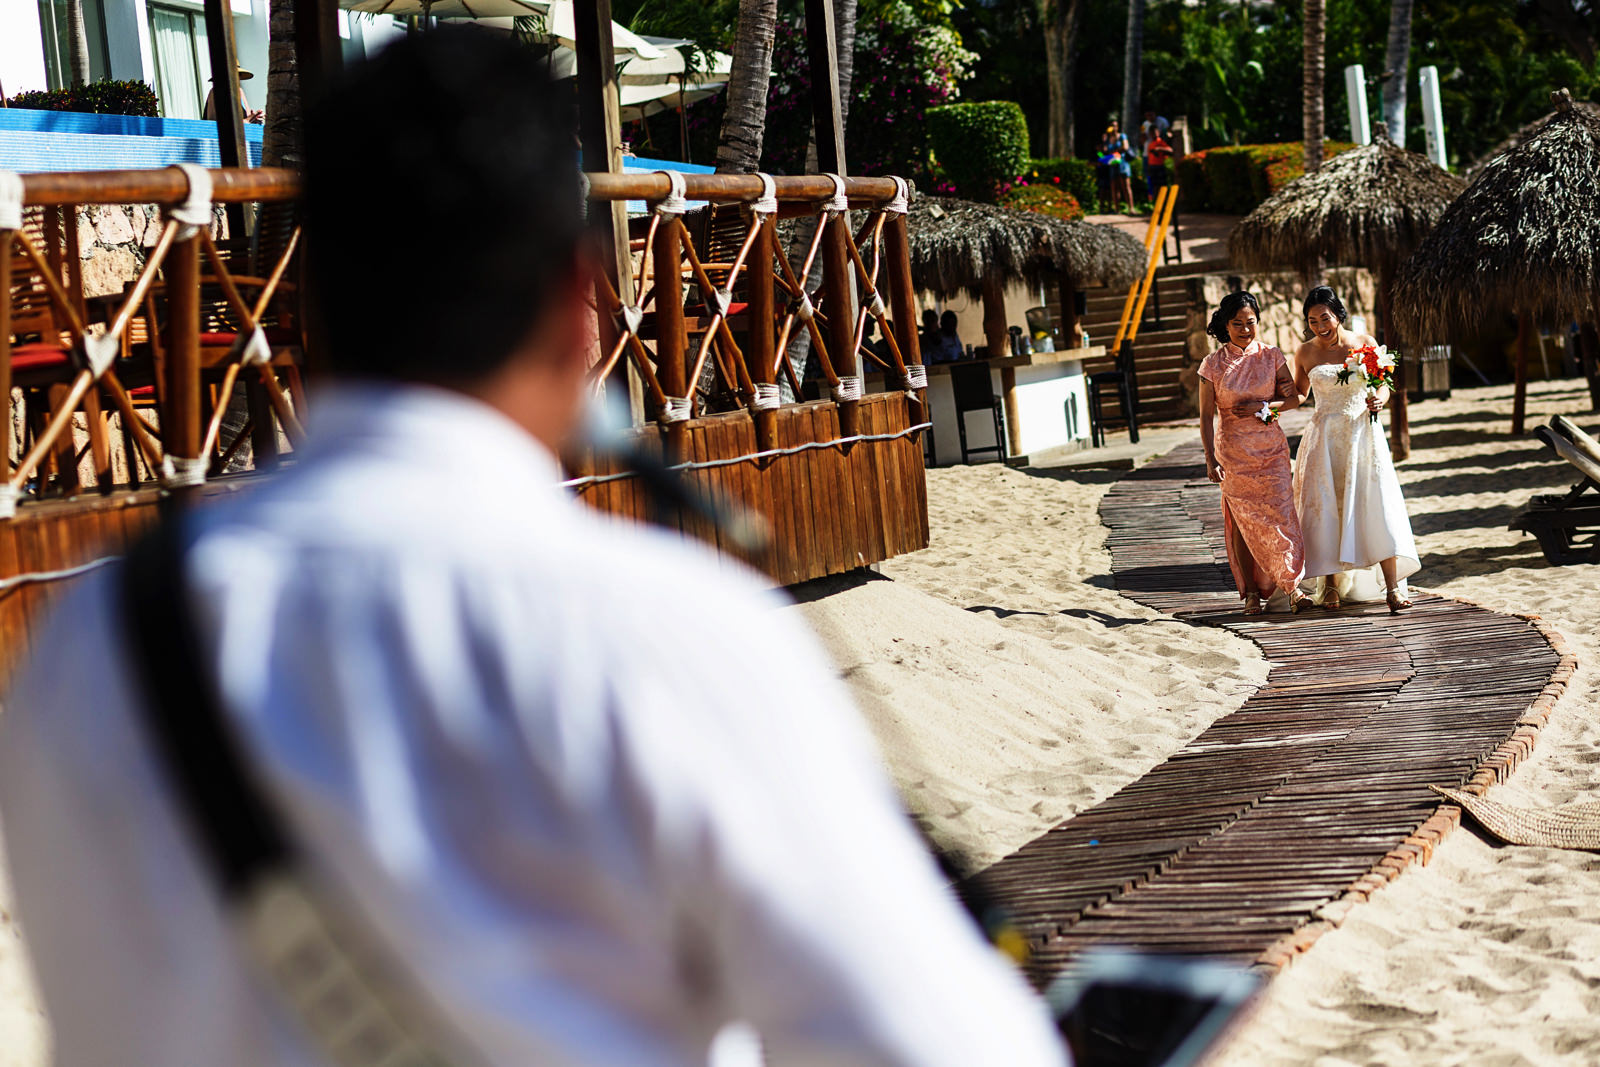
x,y
142,392
275,336
38,356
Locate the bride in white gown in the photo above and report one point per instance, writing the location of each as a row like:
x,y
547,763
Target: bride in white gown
x,y
1358,542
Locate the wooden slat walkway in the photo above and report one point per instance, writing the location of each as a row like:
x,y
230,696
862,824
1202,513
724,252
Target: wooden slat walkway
x,y
1288,811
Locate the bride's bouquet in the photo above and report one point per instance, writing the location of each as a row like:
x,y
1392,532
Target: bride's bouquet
x,y
1376,368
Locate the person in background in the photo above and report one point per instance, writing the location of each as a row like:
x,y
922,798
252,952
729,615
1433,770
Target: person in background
x,y
537,750
250,114
1156,153
1152,126
929,337
878,347
947,347
1115,153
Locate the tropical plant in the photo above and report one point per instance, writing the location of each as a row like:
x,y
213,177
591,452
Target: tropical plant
x,y
744,116
979,145
1396,66
104,97
1313,87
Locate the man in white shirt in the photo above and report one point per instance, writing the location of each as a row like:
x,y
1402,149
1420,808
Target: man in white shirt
x,y
596,797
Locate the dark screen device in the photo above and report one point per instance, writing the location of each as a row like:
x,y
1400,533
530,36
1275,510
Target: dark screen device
x,y
1131,1009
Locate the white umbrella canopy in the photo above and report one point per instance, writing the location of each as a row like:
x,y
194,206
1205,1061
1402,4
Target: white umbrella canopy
x,y
642,101
673,64
560,25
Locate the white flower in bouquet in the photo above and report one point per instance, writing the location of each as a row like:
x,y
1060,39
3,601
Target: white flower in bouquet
x,y
1267,414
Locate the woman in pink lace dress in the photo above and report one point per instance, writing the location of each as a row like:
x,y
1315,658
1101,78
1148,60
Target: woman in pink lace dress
x,y
1244,386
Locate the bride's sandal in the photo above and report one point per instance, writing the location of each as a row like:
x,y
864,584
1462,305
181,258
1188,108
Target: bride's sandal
x,y
1252,603
1331,601
1397,603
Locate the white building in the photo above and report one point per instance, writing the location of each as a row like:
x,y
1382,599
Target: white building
x,y
159,42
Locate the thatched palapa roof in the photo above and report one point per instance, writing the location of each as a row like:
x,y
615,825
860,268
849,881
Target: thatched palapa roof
x,y
956,244
1524,237
1368,207
1521,135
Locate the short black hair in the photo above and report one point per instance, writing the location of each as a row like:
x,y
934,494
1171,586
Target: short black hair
x,y
443,206
1231,305
947,322
930,318
1324,296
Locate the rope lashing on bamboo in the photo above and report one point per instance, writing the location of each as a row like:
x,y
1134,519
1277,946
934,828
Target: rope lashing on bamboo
x,y
750,457
8,500
849,388
802,308
182,472
767,202
916,376
99,352
256,352
583,196
632,318
876,306
10,200
676,409
839,202
674,203
768,397
194,213
900,203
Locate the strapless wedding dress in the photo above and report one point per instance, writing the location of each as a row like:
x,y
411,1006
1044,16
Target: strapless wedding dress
x,y
1352,514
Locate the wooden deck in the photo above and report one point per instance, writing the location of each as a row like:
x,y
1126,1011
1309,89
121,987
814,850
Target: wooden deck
x,y
1265,829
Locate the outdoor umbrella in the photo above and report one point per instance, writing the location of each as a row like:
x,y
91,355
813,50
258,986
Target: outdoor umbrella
x,y
640,101
1369,207
674,63
1523,238
447,9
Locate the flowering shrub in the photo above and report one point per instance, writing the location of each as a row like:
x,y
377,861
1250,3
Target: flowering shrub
x,y
902,68
1076,176
1233,179
1046,199
101,97
980,146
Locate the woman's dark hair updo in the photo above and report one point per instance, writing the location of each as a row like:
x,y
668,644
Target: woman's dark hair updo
x,y
1322,296
1231,305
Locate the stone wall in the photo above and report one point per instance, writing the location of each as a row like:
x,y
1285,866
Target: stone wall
x,y
113,240
1282,322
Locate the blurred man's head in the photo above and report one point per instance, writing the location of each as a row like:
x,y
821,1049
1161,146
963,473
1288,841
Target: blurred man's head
x,y
947,322
443,218
930,319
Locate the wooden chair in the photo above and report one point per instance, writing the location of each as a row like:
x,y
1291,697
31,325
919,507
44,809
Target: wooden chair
x,y
974,391
1122,382
1567,525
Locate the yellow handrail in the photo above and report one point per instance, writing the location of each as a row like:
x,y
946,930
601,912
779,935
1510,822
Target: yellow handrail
x,y
1133,290
1155,260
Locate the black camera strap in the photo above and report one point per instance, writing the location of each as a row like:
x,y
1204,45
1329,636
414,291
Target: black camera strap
x,y
349,996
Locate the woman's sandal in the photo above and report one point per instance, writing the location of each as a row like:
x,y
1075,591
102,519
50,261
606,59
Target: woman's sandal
x,y
1397,603
1252,603
1331,601
1299,604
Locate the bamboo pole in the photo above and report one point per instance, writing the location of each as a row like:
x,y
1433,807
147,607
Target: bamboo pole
x,y
180,410
1519,402
839,300
671,369
762,313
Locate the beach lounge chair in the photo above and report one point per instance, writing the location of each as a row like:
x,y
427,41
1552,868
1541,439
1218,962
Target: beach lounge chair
x,y
1567,525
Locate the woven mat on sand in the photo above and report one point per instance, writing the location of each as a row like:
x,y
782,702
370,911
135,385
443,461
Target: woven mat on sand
x,y
1569,826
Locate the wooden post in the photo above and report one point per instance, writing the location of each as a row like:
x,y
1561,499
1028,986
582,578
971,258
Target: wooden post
x,y
225,95
1519,400
994,317
180,408
1400,403
1069,312
760,350
671,345
1589,346
903,305
838,281
600,132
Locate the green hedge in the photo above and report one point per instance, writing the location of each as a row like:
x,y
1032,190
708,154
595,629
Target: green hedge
x,y
1234,179
98,98
1076,176
979,145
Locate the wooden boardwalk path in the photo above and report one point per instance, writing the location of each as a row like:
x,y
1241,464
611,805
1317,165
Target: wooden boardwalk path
x,y
1270,825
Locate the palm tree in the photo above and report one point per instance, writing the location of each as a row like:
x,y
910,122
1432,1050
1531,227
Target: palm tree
x,y
1132,67
1397,62
1062,21
744,118
77,43
1313,86
283,140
